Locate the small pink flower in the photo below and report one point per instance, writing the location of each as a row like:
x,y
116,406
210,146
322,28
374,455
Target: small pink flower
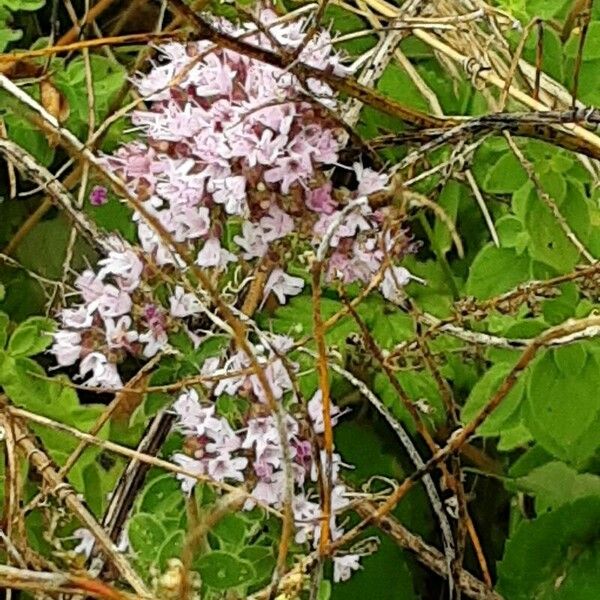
x,y
66,347
281,284
276,224
98,195
320,200
344,565
191,465
224,467
104,373
394,279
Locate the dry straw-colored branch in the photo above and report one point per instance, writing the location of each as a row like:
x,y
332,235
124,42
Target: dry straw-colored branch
x,y
27,580
65,494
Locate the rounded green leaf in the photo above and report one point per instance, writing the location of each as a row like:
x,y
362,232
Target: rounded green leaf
x,y
231,530
556,556
171,548
31,337
162,497
542,483
223,570
504,176
483,391
496,270
563,406
146,536
262,560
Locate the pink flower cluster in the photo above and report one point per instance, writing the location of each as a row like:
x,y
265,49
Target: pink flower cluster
x,y
227,139
230,144
231,138
253,453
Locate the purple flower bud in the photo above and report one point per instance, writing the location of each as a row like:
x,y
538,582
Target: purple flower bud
x,y
98,195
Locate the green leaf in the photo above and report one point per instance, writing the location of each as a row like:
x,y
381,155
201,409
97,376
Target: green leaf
x,y
563,407
504,176
554,557
545,9
343,21
448,200
510,232
570,360
146,535
231,531
396,84
162,497
92,485
418,386
513,437
262,560
30,139
223,570
324,590
557,310
548,243
4,321
556,483
171,548
44,248
482,393
553,54
7,36
496,270
31,337
591,48
16,5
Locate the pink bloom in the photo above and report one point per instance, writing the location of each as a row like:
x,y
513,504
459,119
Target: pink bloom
x,y
264,150
214,255
369,181
224,439
224,467
77,318
231,192
98,195
270,490
289,170
192,466
281,284
184,304
277,378
90,285
119,335
306,517
394,279
189,223
315,412
230,385
104,373
344,565
194,418
154,341
261,432
276,224
87,541
252,241
66,347
320,200
113,302
125,265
